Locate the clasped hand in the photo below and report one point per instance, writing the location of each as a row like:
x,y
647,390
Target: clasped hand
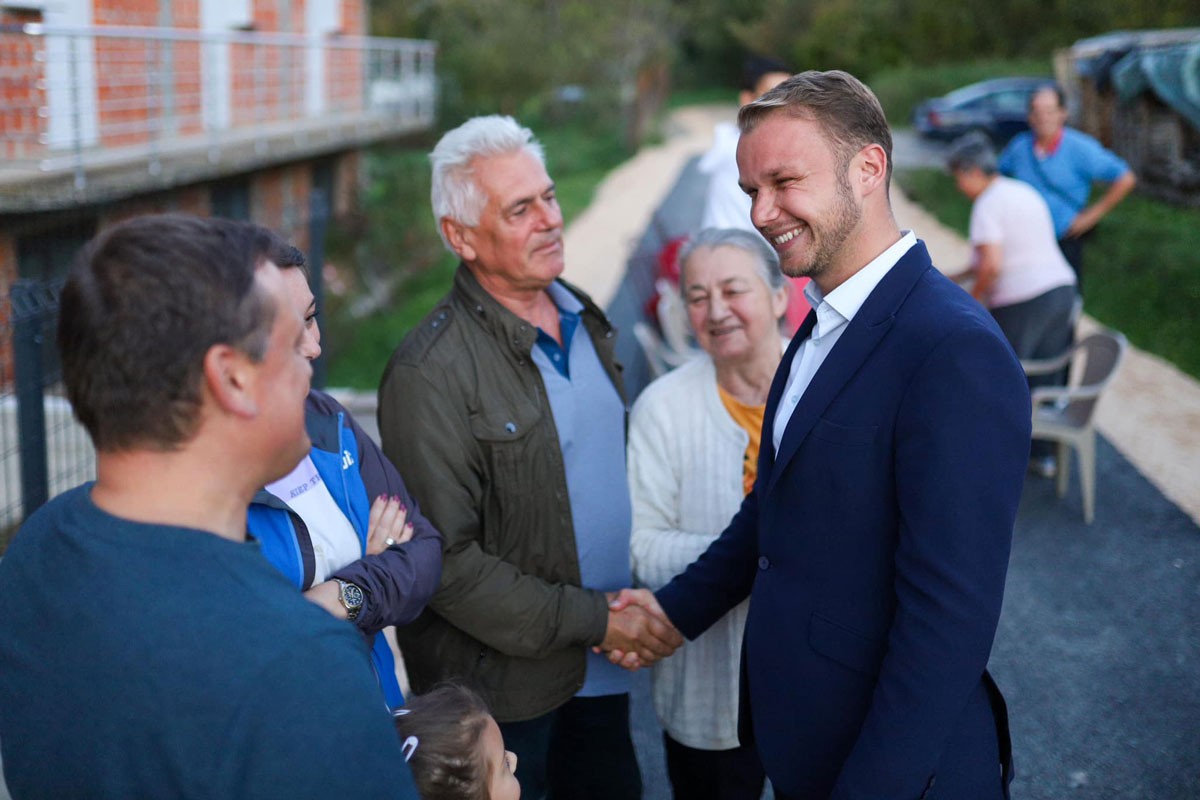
x,y
639,632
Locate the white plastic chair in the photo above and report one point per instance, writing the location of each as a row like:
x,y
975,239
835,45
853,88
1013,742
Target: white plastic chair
x,y
653,348
1065,414
673,322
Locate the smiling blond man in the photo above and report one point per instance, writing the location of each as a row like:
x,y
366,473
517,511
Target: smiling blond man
x,y
874,544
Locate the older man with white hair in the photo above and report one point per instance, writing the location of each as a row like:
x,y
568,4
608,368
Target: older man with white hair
x,y
505,411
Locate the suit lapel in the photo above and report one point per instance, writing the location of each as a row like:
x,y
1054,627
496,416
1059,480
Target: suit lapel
x,y
863,333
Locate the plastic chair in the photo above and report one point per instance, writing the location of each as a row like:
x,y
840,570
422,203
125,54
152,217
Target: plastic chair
x,y
673,322
1065,414
653,348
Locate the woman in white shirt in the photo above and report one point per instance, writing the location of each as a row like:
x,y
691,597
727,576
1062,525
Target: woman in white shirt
x,y
693,455
1020,273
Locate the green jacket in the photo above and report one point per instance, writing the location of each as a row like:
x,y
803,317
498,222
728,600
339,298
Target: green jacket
x,y
464,416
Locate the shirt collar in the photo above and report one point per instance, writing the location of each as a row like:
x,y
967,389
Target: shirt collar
x,y
1050,149
563,298
848,298
502,323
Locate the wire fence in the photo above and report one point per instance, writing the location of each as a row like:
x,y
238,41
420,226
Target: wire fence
x,y
43,451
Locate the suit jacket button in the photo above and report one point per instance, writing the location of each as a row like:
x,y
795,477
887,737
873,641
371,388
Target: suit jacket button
x,y
763,562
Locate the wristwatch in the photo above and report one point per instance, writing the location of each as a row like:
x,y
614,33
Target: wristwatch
x,y
351,597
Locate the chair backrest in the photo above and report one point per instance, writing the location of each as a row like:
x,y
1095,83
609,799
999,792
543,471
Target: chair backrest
x,y
673,322
1097,357
653,348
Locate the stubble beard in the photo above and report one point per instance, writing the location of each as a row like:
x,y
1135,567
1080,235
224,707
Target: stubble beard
x,y
829,235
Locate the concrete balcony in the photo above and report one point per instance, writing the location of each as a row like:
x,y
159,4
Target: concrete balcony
x,y
90,115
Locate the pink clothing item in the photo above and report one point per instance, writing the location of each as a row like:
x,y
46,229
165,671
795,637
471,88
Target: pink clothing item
x,y
798,306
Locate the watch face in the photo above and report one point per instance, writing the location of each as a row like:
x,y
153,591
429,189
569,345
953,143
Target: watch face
x,y
352,595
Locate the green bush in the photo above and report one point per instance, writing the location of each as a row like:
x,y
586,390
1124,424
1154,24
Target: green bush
x,y
1140,272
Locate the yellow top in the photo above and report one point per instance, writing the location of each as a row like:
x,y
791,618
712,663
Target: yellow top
x,y
750,418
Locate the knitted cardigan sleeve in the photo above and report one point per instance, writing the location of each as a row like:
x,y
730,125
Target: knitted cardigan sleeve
x,y
673,441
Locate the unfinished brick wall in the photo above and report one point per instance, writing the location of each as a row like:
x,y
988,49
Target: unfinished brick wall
x,y
21,95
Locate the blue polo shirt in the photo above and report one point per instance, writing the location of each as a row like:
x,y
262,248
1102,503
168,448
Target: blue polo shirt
x,y
1065,177
590,418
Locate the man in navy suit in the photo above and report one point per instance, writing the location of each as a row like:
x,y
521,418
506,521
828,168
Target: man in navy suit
x,y
875,543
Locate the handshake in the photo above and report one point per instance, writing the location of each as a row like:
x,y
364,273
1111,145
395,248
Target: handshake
x,y
639,632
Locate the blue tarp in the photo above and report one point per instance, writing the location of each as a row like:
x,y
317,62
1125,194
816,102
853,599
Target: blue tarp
x,y
1164,63
1171,73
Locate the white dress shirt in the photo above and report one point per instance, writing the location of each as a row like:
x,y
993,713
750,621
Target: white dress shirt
x,y
834,312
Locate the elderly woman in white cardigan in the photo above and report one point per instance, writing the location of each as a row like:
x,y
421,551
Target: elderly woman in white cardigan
x,y
693,451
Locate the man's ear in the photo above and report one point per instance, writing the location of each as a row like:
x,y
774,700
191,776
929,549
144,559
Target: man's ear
x,y
459,237
871,175
229,377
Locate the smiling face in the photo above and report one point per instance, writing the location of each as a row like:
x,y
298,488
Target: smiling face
x,y
301,298
501,765
802,201
517,245
732,310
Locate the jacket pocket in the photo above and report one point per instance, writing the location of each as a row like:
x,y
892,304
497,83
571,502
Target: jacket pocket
x,y
509,443
845,646
844,434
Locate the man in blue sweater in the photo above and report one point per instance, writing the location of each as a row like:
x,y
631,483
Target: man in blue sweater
x,y
148,649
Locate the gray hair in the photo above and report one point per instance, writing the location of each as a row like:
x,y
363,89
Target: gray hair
x,y
972,151
454,193
765,259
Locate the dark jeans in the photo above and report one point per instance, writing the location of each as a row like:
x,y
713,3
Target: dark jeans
x,y
1072,250
1040,328
581,750
713,774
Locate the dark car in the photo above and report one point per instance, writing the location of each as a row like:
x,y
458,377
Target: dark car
x,y
997,107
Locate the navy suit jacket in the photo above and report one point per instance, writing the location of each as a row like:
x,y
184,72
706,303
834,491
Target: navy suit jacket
x,y
874,548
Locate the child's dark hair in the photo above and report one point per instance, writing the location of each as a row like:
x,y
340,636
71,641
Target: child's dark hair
x,y
441,731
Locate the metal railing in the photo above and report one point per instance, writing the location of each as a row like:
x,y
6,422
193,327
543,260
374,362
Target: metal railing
x,y
43,450
83,98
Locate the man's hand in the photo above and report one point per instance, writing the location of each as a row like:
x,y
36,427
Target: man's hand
x,y
1084,221
639,632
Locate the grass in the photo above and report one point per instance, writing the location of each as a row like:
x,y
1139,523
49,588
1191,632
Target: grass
x,y
579,154
1140,273
706,96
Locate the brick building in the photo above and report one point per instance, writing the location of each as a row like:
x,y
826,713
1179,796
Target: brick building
x,y
110,108
252,109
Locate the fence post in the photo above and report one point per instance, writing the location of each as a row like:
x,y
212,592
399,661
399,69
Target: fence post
x,y
318,225
31,414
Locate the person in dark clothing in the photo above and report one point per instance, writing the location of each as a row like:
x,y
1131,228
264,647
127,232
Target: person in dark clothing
x,y
148,649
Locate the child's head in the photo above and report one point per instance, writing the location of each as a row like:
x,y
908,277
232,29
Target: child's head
x,y
454,747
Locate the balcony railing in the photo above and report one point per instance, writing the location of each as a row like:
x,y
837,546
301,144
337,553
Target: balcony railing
x,y
75,101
